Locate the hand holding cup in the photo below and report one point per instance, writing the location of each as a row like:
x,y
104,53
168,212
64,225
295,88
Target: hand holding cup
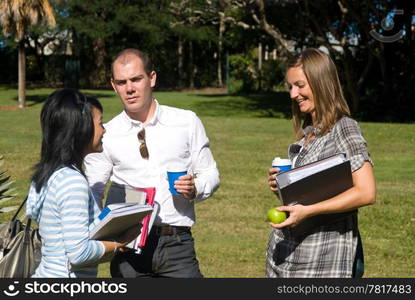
x,y
181,183
279,165
185,185
272,173
282,164
172,176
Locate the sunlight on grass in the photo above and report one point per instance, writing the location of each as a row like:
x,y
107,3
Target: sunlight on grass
x,y
231,233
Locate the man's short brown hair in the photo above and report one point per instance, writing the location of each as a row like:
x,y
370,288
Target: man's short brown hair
x,y
147,63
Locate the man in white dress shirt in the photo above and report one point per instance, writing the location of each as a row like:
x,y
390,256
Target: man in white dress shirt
x,y
140,144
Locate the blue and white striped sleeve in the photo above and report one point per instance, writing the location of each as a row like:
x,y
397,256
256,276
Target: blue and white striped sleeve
x,y
73,201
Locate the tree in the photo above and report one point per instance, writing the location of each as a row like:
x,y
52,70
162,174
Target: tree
x,y
370,65
93,24
16,18
101,28
373,69
191,23
256,10
5,184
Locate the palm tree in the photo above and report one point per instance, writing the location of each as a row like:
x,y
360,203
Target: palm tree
x,y
5,183
16,17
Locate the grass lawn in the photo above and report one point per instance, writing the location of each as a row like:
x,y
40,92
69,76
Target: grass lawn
x,y
246,133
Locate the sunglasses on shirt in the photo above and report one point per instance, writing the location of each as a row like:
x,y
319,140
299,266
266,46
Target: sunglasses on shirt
x,y
141,135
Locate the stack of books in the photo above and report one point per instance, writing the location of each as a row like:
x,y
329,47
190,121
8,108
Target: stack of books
x,y
116,219
144,196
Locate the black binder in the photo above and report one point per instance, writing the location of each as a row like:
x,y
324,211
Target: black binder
x,y
321,185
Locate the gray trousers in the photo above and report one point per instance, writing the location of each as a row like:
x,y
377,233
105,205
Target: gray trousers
x,y
163,256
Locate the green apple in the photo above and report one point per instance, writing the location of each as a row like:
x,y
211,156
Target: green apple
x,y
275,216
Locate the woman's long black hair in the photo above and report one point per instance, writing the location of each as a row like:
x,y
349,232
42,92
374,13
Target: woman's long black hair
x,y
67,130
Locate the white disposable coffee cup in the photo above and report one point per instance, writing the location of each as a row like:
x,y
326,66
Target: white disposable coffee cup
x,y
284,164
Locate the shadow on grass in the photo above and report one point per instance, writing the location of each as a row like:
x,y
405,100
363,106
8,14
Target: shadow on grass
x,y
263,105
269,105
32,100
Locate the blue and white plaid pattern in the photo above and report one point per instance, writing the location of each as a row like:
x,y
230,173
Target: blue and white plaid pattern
x,y
328,251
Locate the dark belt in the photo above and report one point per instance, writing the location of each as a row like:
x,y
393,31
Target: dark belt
x,y
170,230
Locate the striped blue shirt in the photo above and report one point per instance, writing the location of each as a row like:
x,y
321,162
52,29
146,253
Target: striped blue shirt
x,y
64,210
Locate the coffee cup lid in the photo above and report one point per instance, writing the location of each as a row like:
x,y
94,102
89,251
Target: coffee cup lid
x,y
281,161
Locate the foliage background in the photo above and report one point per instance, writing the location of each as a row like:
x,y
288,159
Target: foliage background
x,y
239,45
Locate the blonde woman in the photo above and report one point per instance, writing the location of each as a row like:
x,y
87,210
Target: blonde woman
x,y
323,127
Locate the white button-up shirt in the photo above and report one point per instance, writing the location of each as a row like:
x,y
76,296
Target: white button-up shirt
x,y
175,138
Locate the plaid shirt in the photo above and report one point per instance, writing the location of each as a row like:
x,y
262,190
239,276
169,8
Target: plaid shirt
x,y
329,250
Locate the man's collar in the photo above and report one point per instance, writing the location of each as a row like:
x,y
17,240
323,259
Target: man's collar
x,y
156,115
136,123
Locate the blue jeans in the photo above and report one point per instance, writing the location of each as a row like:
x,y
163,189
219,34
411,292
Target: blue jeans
x,y
163,256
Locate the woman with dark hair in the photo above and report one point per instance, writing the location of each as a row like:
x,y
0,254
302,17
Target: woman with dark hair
x,y
323,127
59,198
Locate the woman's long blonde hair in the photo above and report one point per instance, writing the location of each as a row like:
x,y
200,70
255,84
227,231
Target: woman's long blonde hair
x,y
322,77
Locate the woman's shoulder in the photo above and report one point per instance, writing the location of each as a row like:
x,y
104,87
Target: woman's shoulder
x,y
348,133
346,121
346,126
67,176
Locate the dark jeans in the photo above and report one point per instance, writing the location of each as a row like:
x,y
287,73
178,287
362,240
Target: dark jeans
x,y
359,261
163,256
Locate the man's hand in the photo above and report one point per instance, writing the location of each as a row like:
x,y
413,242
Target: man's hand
x,y
185,185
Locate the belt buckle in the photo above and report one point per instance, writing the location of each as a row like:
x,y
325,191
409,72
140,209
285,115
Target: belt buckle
x,y
170,230
173,230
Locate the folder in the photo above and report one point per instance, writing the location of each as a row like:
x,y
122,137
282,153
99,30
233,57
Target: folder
x,y
116,219
313,183
148,220
124,194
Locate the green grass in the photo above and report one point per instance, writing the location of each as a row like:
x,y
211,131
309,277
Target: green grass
x,y
246,133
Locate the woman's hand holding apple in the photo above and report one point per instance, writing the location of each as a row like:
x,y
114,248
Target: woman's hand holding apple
x,y
296,213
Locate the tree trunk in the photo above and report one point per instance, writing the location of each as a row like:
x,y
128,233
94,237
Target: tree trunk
x,y
180,59
22,75
191,67
98,77
351,85
220,48
261,20
259,66
385,70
